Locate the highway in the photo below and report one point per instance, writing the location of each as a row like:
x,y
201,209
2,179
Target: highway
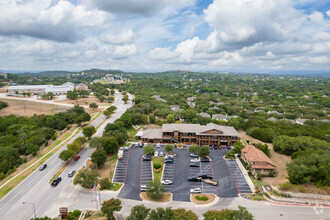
x,y
36,188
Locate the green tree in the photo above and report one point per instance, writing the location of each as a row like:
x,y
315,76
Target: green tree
x,y
111,206
106,113
149,150
72,95
93,106
112,91
242,214
96,142
101,98
74,147
203,151
168,148
138,212
194,149
66,155
86,178
183,214
218,215
161,214
170,118
89,131
152,119
264,148
32,149
155,189
110,99
110,144
238,146
125,99
83,93
99,157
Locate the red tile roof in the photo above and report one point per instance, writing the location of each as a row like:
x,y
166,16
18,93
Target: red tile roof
x,y
253,154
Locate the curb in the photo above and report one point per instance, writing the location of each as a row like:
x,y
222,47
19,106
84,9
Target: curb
x,y
216,199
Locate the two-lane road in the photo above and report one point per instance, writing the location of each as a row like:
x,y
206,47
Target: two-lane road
x,y
36,188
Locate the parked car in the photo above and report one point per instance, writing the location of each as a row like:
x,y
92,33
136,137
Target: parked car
x,y
167,182
168,160
123,148
195,190
205,160
161,154
76,157
158,145
147,158
195,160
193,155
156,153
71,174
205,176
143,188
211,146
228,148
43,166
193,164
56,181
194,179
215,147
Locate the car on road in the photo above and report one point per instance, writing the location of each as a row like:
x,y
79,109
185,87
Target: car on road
x,y
195,160
167,182
42,167
193,155
161,154
56,181
156,153
147,158
194,178
205,160
76,157
193,164
195,190
205,176
71,174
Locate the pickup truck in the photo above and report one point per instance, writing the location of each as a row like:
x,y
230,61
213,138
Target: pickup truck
x,y
211,182
120,154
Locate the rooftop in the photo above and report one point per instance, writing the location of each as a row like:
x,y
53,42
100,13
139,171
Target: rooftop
x,y
253,154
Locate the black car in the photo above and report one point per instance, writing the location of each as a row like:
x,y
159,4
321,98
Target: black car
x,y
194,179
42,167
205,176
147,158
168,160
211,146
56,181
215,147
205,160
194,164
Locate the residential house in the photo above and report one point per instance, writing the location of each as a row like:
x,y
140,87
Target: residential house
x,y
157,97
272,119
258,161
301,121
175,107
220,117
205,115
81,86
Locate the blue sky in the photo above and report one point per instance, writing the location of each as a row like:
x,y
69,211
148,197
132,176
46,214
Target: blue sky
x,y
149,35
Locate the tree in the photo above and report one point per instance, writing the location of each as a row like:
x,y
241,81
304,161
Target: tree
x,y
238,146
83,93
155,189
32,149
127,119
242,214
161,214
194,149
106,113
48,96
99,157
72,95
112,91
203,151
125,99
168,148
93,106
110,144
101,98
89,131
66,155
149,150
218,215
111,206
170,118
264,148
152,119
96,142
138,212
183,214
110,99
86,178
74,147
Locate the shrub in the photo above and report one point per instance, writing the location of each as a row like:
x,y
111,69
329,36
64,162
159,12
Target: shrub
x,y
54,137
271,174
201,198
105,183
2,175
230,155
157,166
258,176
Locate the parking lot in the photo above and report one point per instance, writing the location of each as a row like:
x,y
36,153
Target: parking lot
x,y
140,172
120,172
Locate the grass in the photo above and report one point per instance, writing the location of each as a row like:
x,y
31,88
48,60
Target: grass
x,y
202,198
158,175
131,134
115,186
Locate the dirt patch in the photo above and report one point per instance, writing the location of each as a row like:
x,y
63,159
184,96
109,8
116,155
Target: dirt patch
x,y
28,108
84,101
210,198
147,126
166,198
279,160
4,89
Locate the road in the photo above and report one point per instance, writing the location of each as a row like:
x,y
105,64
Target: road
x,y
36,188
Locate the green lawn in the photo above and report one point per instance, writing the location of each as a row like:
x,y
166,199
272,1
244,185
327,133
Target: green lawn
x,y
160,160
131,134
115,186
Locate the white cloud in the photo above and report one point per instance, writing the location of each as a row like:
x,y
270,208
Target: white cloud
x,y
124,37
124,51
163,54
328,13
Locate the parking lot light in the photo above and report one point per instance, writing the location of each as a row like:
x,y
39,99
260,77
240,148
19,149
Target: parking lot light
x,y
34,209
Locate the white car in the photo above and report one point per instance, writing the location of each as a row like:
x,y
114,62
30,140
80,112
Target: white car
x,y
156,154
161,154
167,182
195,160
158,145
195,190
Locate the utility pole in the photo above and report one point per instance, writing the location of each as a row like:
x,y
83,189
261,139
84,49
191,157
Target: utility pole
x,y
34,208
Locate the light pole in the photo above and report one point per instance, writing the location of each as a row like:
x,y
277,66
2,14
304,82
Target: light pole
x,y
34,208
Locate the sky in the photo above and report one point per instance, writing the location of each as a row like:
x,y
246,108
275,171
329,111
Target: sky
x,y
158,35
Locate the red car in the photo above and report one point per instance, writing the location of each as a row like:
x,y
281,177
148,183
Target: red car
x,y
76,157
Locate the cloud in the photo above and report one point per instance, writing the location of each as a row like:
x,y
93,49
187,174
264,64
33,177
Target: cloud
x,y
141,7
328,13
124,51
124,37
62,22
163,54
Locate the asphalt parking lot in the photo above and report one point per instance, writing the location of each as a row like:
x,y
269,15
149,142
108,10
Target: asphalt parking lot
x,y
140,172
120,172
240,181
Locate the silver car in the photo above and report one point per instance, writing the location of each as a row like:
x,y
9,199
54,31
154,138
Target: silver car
x,y
167,182
156,154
